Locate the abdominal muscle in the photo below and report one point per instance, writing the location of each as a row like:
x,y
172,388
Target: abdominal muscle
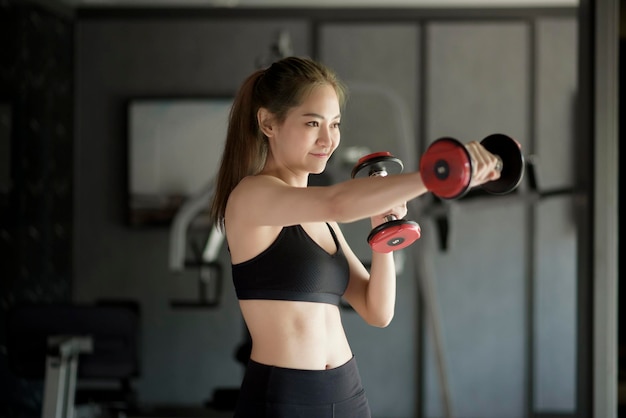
x,y
296,335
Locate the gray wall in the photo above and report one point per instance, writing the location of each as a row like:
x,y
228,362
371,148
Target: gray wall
x,y
506,285
555,250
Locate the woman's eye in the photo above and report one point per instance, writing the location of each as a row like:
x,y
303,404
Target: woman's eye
x,y
314,124
337,125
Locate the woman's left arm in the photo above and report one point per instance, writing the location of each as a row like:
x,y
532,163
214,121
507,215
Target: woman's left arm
x,y
372,294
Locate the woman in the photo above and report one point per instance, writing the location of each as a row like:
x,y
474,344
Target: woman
x,y
291,264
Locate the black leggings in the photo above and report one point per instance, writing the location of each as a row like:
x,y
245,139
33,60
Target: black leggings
x,y
276,392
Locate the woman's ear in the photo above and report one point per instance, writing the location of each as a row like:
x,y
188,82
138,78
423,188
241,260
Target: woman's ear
x,y
265,121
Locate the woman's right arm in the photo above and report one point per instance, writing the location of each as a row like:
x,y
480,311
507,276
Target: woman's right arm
x,y
269,201
265,200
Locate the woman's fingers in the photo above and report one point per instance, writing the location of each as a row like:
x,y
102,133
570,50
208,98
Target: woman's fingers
x,y
486,166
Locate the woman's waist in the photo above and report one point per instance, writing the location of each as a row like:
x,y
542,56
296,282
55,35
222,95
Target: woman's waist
x,y
263,383
293,354
299,341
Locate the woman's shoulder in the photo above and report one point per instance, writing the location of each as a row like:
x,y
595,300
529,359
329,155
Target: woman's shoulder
x,y
257,180
250,186
250,189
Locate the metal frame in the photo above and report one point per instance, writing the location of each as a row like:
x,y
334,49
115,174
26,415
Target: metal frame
x,y
601,71
61,374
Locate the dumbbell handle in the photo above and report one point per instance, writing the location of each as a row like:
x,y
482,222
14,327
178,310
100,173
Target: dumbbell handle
x,y
499,164
498,167
381,172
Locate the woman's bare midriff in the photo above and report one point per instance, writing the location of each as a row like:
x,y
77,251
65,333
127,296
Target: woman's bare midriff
x,y
296,335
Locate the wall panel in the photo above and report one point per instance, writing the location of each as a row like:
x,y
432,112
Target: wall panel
x,y
477,83
477,80
555,272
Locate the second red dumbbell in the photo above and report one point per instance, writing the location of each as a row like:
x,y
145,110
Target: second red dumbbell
x,y
394,234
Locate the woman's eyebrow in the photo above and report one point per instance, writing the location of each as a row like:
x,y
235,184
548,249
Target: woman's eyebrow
x,y
316,115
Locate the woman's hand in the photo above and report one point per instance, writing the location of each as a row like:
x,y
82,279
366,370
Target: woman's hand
x,y
399,212
486,166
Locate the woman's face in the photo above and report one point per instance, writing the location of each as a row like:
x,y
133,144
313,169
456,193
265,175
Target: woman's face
x,y
310,133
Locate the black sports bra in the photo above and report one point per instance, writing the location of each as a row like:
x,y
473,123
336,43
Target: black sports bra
x,y
294,267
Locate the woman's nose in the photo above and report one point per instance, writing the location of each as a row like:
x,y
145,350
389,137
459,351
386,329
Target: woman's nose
x,y
325,137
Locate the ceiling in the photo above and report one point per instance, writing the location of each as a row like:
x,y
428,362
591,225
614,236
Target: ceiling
x,y
325,3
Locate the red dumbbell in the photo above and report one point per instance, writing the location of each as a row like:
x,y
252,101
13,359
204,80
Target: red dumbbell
x,y
446,166
394,234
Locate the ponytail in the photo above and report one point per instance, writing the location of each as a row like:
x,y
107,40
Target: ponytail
x,y
244,151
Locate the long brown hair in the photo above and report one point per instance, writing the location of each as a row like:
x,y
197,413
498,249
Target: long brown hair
x,y
279,88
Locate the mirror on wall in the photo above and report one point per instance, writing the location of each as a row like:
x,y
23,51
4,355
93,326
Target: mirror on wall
x,y
174,149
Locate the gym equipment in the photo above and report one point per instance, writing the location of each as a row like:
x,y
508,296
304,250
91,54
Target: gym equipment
x,y
446,166
61,370
394,234
189,220
282,47
67,344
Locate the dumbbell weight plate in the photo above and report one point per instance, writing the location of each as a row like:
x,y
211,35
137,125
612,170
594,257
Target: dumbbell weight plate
x,y
375,163
512,163
447,168
393,235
